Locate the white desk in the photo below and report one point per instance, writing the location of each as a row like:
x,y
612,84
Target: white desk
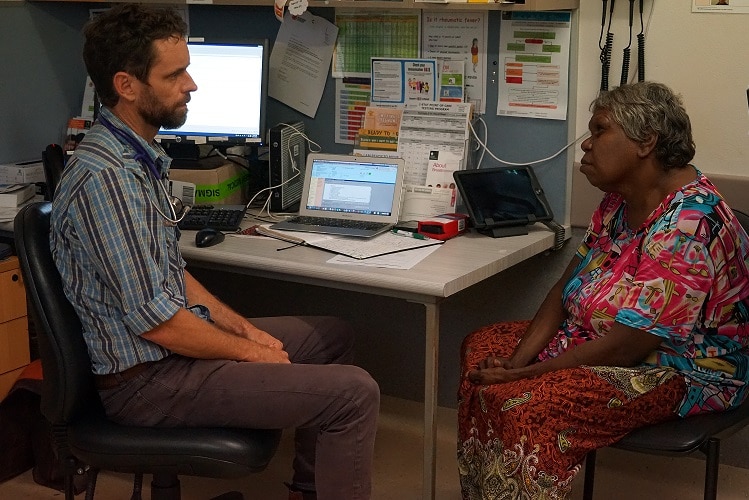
x,y
455,266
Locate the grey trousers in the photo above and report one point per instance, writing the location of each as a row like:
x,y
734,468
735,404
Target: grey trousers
x,y
332,405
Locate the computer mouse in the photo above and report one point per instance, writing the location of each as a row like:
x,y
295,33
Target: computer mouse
x,y
208,236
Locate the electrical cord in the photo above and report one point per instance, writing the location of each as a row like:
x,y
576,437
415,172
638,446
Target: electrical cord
x,y
480,119
297,172
559,233
535,162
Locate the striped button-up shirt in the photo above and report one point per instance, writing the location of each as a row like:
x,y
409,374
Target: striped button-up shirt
x,y
120,263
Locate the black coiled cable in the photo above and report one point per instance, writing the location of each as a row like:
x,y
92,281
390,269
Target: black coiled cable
x,y
641,57
607,46
606,61
626,55
641,48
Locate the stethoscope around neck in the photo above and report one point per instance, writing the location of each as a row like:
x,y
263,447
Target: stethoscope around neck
x,y
142,157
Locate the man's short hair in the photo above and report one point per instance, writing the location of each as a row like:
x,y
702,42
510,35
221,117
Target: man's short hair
x,y
121,39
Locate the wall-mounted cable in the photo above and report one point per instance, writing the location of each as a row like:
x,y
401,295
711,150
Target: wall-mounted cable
x,y
628,49
607,46
515,164
641,48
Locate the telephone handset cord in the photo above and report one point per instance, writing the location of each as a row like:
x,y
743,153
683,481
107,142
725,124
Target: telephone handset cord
x,y
607,46
626,56
641,48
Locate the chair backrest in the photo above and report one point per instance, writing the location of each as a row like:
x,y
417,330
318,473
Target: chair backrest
x,y
68,386
742,218
53,160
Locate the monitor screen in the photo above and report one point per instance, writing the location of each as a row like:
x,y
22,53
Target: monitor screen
x,y
229,106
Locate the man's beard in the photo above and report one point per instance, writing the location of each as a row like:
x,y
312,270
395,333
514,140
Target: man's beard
x,y
156,114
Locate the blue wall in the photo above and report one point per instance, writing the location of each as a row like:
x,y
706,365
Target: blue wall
x,y
42,75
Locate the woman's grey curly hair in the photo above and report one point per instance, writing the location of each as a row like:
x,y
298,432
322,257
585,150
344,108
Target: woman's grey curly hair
x,y
646,108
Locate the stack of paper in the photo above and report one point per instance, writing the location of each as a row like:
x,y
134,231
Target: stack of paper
x,y
356,248
433,139
12,195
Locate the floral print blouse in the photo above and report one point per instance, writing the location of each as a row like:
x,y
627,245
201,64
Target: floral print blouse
x,y
682,276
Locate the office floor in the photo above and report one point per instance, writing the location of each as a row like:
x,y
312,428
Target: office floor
x,y
620,475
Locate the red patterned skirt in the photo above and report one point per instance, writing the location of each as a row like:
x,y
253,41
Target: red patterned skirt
x,y
527,439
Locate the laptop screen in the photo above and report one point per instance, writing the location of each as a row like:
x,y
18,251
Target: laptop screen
x,y
354,187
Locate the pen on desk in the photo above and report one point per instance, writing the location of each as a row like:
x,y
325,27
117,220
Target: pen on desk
x,y
410,234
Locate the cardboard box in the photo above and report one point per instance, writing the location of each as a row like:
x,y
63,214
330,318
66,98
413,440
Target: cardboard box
x,y
22,172
224,185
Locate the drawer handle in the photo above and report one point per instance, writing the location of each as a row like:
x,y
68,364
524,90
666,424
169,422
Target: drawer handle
x,y
15,277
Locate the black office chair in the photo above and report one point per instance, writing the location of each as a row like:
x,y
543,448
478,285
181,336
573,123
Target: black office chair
x,y
682,436
53,161
83,436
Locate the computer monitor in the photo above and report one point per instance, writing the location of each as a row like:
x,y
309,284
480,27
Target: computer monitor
x,y
228,109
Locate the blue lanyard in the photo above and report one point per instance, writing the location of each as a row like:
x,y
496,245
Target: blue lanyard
x,y
141,155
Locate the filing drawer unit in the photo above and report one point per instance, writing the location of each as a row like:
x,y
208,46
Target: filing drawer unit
x,y
14,326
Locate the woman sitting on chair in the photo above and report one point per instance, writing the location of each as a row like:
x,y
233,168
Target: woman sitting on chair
x,y
648,322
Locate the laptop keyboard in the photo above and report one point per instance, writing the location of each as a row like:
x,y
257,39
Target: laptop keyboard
x,y
221,217
345,223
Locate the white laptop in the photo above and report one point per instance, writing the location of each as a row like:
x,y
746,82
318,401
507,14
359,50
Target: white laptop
x,y
348,195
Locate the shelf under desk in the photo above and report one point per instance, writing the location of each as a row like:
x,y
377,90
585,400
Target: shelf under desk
x,y
457,265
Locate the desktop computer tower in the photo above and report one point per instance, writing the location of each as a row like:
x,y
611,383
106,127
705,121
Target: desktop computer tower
x,y
288,155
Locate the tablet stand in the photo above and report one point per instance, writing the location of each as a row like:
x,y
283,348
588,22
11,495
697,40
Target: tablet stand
x,y
501,232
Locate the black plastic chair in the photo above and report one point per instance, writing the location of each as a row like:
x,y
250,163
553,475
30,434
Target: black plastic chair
x,y
53,161
84,438
682,436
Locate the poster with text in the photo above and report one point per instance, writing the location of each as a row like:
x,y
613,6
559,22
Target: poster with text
x,y
400,81
459,36
534,53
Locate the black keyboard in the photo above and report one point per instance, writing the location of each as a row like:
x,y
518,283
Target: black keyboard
x,y
325,221
221,217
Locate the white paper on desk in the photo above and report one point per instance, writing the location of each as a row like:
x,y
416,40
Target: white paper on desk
x,y
376,246
400,260
300,61
422,202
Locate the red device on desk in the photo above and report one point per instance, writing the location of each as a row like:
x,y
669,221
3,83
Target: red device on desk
x,y
443,227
